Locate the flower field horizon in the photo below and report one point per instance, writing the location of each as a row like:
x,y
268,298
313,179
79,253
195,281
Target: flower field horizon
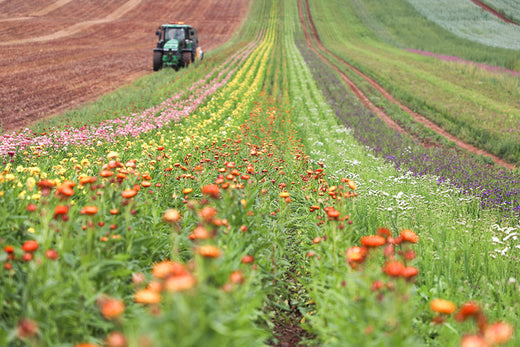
x,y
251,200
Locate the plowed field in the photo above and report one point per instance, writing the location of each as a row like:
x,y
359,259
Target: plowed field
x,y
58,54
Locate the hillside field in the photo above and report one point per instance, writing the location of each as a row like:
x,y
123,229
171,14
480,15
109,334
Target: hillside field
x,y
333,173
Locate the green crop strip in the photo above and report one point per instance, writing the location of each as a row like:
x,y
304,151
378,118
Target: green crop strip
x,y
447,94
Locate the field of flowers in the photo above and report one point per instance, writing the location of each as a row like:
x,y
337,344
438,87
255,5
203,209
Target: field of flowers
x,y
510,8
239,211
467,20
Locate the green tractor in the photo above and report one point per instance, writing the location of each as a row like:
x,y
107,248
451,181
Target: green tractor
x,y
178,46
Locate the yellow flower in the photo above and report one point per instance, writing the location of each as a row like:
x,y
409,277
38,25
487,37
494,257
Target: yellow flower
x,y
35,171
35,196
31,182
31,230
112,155
7,169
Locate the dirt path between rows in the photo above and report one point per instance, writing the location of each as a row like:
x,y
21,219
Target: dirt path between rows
x,y
494,12
57,55
372,107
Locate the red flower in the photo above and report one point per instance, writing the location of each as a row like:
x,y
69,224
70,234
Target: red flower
x,y
467,310
247,259
384,232
60,210
409,272
51,254
26,328
30,246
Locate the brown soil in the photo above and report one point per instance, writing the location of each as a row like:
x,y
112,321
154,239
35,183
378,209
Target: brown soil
x,y
377,111
55,55
494,12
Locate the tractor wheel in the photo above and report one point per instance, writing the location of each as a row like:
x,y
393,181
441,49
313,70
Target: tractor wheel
x,y
186,58
157,61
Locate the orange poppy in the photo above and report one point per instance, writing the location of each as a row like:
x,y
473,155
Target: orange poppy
x,y
384,232
237,277
209,251
106,173
332,213
147,296
179,283
60,209
155,286
171,216
168,268
87,180
356,254
473,341
212,190
45,184
111,308
498,333
66,188
442,306
208,213
128,193
410,236
393,268
373,241
199,233
116,339
90,210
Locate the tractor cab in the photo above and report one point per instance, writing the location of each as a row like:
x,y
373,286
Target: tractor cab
x,y
178,45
